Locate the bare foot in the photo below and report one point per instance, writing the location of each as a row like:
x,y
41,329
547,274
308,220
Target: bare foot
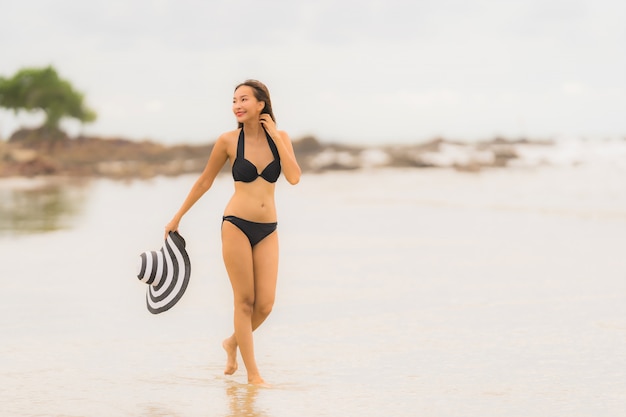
x,y
231,356
257,381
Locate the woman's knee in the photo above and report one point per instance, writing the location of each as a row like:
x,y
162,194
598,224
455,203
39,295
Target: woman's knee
x,y
263,308
245,305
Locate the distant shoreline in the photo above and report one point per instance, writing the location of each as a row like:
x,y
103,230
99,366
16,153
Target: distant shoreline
x,y
88,156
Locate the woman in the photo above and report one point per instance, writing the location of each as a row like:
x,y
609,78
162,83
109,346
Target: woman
x,y
256,151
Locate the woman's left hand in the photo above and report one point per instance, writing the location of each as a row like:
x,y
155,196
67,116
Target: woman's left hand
x,y
269,125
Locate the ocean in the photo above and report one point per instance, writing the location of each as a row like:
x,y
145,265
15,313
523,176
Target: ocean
x,y
402,292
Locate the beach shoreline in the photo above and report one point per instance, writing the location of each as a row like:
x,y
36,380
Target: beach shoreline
x,y
28,156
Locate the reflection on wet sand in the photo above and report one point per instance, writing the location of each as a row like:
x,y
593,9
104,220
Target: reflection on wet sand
x,y
242,400
39,206
156,410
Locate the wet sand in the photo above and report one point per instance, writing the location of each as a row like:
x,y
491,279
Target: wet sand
x,y
400,293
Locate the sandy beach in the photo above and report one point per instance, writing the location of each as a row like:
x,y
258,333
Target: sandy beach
x,y
401,292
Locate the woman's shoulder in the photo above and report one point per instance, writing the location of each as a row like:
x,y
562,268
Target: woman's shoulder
x,y
228,137
227,142
284,135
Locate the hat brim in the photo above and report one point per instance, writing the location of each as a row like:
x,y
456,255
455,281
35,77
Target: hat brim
x,y
167,271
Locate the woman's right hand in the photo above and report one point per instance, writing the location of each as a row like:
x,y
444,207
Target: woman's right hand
x,y
172,226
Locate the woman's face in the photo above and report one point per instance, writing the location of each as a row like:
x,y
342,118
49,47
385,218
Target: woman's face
x,y
245,105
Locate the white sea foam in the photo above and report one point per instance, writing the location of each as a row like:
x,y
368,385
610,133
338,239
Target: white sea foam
x,y
444,154
566,152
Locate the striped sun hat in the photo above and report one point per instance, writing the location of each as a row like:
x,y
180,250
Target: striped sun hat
x,y
167,272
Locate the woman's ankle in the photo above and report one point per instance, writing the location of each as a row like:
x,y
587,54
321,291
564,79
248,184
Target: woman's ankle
x,y
256,380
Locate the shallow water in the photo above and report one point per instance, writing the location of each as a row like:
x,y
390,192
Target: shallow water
x,y
404,293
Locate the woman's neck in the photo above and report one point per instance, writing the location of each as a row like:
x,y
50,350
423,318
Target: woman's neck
x,y
253,130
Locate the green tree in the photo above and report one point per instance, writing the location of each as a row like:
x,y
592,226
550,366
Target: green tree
x,y
42,89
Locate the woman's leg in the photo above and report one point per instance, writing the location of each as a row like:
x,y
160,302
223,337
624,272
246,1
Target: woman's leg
x,y
265,267
253,274
237,256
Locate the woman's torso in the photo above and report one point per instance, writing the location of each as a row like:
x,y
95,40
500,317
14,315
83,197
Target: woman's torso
x,y
254,200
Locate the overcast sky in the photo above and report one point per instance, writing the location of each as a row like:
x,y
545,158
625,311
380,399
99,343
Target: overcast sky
x,y
368,71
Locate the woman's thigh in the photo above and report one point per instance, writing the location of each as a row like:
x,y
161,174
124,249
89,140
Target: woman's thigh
x,y
265,267
237,255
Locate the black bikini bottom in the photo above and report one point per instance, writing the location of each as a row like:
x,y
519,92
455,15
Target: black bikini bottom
x,y
255,232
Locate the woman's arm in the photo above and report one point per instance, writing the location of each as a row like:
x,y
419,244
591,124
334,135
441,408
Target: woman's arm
x,y
288,161
217,159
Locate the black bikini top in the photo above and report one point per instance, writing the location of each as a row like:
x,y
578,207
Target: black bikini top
x,y
245,171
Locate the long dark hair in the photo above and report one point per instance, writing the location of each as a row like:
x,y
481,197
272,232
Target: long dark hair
x,y
261,93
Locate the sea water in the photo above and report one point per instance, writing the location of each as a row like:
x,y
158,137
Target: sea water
x,y
401,293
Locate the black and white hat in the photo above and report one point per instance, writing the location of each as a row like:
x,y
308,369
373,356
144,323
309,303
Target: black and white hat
x,y
166,272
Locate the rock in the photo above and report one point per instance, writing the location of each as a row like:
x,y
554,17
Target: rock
x,y
39,152
36,167
307,144
37,137
503,154
20,155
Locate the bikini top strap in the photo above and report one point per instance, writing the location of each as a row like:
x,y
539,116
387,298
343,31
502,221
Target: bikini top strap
x,y
240,145
272,145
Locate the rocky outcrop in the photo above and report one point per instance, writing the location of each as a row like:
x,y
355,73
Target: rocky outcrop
x,y
438,153
93,156
27,154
